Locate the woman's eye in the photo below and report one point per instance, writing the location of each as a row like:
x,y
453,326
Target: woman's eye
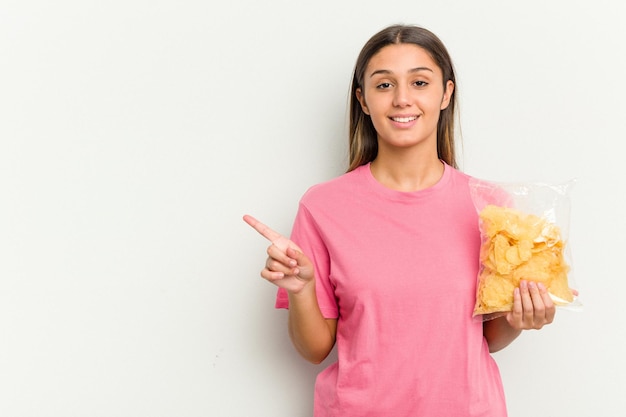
x,y
421,83
383,86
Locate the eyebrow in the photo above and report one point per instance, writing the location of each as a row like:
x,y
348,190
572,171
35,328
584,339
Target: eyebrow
x,y
385,72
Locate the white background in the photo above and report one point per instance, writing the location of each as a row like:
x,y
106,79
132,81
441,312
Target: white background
x,y
135,134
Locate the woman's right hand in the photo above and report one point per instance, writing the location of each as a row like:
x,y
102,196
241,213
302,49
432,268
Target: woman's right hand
x,y
286,266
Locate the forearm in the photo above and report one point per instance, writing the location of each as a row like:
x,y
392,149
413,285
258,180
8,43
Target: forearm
x,y
312,335
499,333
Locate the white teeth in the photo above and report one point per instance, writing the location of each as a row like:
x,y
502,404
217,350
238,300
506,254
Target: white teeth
x,y
404,119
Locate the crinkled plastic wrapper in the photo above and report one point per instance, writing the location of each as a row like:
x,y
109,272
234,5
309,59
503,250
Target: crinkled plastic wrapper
x,y
524,236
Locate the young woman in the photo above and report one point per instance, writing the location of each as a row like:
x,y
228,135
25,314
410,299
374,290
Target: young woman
x,y
382,261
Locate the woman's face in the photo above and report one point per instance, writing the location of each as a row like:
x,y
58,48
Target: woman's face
x,y
403,93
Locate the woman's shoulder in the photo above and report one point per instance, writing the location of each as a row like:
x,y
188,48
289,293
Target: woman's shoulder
x,y
458,173
334,188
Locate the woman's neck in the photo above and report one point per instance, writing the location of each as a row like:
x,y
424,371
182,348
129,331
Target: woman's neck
x,y
404,172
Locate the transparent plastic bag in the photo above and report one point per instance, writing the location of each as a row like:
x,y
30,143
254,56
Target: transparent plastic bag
x,y
524,231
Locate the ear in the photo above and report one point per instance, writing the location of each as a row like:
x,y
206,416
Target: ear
x,y
447,95
361,98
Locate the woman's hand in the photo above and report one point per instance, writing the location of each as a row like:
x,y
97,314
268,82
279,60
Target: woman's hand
x,y
532,307
286,266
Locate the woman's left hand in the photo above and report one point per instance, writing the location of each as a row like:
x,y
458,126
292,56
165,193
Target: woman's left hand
x,y
532,307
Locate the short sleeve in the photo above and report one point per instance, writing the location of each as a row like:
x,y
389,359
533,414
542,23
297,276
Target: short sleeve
x,y
306,234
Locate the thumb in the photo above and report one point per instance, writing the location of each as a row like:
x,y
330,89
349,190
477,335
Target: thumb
x,y
305,266
296,253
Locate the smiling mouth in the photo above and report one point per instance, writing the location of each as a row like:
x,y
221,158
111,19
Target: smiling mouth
x,y
404,119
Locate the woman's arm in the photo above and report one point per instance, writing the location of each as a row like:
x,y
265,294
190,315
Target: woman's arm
x,y
532,309
499,333
287,267
312,335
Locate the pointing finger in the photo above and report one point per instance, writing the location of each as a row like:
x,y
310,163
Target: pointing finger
x,y
276,238
263,229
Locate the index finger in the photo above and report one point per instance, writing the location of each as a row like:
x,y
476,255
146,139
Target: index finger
x,y
276,238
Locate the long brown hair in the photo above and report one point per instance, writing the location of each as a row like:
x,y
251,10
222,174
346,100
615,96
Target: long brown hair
x,y
363,137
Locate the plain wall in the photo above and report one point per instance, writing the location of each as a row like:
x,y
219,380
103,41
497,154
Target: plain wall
x,y
135,134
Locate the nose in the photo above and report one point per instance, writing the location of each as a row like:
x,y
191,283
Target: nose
x,y
401,97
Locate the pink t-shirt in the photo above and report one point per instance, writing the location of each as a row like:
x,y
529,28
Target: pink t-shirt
x,y
398,270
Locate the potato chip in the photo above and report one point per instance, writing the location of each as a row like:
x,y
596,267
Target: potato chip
x,y
518,246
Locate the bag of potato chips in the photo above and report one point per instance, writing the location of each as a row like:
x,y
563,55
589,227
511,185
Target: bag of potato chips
x,y
524,230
